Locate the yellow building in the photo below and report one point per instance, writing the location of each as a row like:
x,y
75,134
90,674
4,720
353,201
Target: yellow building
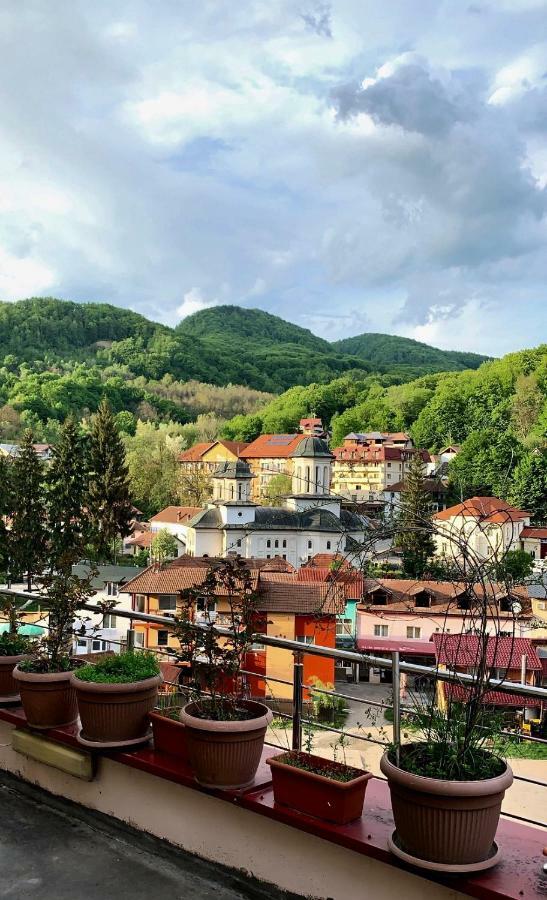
x,y
205,457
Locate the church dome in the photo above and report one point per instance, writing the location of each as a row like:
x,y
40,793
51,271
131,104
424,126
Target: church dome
x,y
311,448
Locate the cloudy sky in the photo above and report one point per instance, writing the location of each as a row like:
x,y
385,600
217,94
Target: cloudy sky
x,y
351,165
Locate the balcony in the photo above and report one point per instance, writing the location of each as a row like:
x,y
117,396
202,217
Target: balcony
x,y
242,830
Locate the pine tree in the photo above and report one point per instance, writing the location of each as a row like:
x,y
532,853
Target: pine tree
x,y
66,497
108,497
28,530
415,525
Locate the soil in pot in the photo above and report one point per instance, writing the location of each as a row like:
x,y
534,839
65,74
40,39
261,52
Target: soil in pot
x,y
48,698
115,715
226,753
452,823
169,732
319,787
9,688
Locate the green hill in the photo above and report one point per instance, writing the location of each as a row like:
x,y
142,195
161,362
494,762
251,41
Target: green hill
x,y
377,348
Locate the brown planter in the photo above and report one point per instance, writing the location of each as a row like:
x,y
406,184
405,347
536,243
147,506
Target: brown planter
x,y
225,754
169,735
318,795
48,698
9,689
449,823
115,715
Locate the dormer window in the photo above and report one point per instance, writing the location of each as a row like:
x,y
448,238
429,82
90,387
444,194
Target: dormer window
x,y
506,604
423,599
111,588
378,598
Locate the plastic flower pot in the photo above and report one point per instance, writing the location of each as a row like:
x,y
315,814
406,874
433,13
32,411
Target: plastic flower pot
x,y
115,715
9,688
449,825
169,734
48,698
225,754
314,791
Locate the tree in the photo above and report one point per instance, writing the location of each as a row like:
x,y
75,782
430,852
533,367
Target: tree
x,y
526,405
277,487
66,484
28,524
529,488
164,546
6,509
485,465
108,496
195,487
416,529
516,565
152,457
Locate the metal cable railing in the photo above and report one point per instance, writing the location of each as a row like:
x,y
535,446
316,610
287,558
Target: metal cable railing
x,y
299,651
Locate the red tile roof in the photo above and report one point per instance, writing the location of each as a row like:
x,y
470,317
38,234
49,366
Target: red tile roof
x,y
142,539
235,447
275,564
325,560
485,509
303,599
464,650
272,446
386,645
171,579
459,692
528,532
174,515
194,454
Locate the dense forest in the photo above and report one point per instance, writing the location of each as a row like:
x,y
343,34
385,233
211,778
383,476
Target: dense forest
x,y
498,414
58,357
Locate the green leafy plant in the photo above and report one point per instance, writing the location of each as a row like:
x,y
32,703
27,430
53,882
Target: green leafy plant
x,y
334,770
122,668
14,644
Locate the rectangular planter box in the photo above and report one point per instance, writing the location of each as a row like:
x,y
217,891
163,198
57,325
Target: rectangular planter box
x,y
169,736
318,795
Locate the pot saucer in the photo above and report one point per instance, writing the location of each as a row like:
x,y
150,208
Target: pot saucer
x,y
467,869
113,745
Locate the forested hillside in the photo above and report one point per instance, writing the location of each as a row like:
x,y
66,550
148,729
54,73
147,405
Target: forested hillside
x,y
376,348
497,413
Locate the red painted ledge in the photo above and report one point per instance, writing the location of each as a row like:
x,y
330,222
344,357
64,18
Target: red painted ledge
x,y
519,876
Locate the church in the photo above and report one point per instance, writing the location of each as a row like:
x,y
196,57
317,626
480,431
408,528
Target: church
x,y
310,521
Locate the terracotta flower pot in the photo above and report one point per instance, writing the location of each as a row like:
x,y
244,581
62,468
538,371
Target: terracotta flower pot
x,y
169,735
48,698
449,823
9,688
115,715
226,754
318,795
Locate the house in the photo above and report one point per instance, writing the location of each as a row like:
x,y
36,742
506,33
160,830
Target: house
x,y
310,521
43,451
312,426
393,495
130,544
405,614
174,519
108,632
364,472
267,456
508,659
285,608
379,438
534,541
480,528
207,455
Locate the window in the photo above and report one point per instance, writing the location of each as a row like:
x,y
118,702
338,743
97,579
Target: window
x,y
168,601
305,639
284,544
111,589
96,646
389,465
412,632
163,638
109,621
310,545
284,556
276,544
378,598
140,603
82,643
328,545
344,627
139,639
422,599
268,543
381,630
204,605
238,542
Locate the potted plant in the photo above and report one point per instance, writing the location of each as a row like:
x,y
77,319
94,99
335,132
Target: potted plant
x,y
224,730
44,679
14,648
324,788
168,730
115,696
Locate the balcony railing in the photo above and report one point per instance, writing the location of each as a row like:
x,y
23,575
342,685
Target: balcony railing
x,y
297,718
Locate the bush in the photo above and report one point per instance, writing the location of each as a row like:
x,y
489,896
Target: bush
x,y
123,668
13,644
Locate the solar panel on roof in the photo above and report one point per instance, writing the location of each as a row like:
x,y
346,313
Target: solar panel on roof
x,y
281,439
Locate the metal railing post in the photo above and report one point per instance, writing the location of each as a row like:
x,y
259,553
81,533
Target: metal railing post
x,y
298,680
396,672
130,638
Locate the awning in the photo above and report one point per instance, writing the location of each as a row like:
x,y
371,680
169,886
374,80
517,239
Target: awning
x,y
28,630
385,645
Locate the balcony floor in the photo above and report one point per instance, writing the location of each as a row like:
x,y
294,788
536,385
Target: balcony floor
x,y
53,850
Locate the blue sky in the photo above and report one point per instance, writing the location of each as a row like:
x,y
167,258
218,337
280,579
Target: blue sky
x,y
350,165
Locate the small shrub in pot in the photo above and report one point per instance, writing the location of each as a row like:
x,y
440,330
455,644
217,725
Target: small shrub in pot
x,y
115,697
14,648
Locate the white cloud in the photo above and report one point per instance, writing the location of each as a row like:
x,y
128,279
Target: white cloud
x,y
193,302
20,278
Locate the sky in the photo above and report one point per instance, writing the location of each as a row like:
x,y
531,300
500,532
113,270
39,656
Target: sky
x,y
349,165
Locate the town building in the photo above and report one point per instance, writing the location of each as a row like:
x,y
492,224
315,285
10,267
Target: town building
x,y
313,427
207,455
533,540
480,528
285,608
435,487
175,520
310,521
364,472
108,632
267,456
